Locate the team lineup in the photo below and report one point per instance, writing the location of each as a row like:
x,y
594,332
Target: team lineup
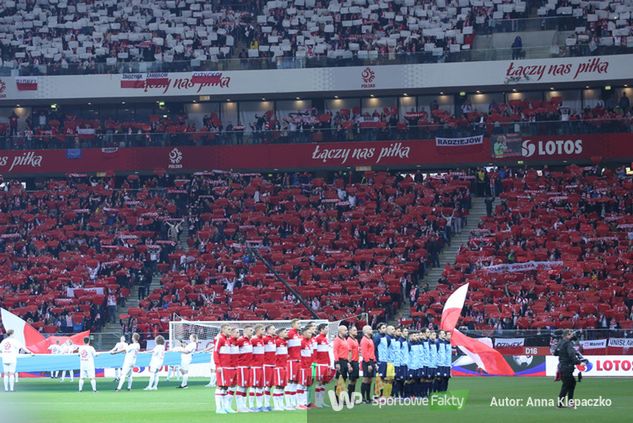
x,y
262,368
293,366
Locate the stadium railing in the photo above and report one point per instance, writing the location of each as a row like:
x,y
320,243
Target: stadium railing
x,y
46,140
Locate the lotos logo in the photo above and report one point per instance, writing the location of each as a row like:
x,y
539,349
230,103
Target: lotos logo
x,y
344,400
175,157
368,76
584,367
530,148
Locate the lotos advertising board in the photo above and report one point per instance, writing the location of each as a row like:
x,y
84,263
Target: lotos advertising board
x,y
598,366
372,154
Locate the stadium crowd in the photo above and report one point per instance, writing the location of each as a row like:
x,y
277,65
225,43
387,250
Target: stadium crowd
x,y
577,224
108,36
53,129
71,249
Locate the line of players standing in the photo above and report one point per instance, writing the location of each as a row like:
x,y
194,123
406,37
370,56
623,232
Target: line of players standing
x,y
265,363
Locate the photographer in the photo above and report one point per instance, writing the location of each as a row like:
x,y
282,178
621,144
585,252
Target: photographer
x,y
568,357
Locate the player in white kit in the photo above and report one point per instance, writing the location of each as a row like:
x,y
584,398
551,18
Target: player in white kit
x,y
119,348
9,348
129,362
68,348
87,355
156,362
55,349
185,359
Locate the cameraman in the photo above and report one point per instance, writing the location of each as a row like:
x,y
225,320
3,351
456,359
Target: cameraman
x,y
567,360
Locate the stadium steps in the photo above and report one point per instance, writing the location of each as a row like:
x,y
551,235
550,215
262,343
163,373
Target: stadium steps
x,y
109,335
449,253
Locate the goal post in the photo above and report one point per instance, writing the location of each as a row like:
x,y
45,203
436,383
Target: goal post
x,y
206,331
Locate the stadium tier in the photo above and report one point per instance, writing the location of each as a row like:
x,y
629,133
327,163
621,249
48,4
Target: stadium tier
x,y
573,225
75,127
72,248
346,248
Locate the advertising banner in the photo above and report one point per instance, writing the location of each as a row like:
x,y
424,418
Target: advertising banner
x,y
499,73
325,155
598,366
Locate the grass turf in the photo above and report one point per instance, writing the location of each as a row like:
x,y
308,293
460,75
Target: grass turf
x,y
43,400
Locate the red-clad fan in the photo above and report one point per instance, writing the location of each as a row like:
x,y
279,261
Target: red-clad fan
x,y
305,373
280,380
223,371
257,370
245,358
324,371
269,363
294,351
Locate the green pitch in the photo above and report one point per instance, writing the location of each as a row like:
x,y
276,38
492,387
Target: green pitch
x,y
49,401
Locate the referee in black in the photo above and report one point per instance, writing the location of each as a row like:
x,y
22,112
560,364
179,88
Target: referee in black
x,y
568,358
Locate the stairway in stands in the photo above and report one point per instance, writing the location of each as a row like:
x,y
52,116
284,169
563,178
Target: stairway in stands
x,y
449,253
109,335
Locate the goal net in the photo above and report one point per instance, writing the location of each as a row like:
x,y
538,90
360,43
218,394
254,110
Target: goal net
x,y
206,331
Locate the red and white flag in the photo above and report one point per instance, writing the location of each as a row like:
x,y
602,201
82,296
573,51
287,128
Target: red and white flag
x,y
28,83
453,308
34,341
486,357
133,80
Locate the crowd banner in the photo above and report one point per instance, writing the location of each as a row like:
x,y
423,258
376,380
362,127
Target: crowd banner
x,y
70,292
509,342
459,142
52,362
594,346
620,345
597,366
523,267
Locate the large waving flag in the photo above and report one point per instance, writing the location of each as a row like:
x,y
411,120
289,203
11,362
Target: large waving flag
x,y
31,338
486,357
453,308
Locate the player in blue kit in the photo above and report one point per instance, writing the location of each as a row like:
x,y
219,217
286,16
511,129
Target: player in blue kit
x,y
402,343
395,358
384,356
433,362
439,374
413,387
448,361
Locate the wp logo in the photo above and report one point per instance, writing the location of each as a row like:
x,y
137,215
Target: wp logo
x,y
344,400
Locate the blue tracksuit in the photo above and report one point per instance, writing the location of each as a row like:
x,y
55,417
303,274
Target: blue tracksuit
x,y
433,359
403,360
425,357
383,344
415,360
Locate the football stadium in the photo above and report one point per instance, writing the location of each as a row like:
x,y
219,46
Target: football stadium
x,y
316,210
